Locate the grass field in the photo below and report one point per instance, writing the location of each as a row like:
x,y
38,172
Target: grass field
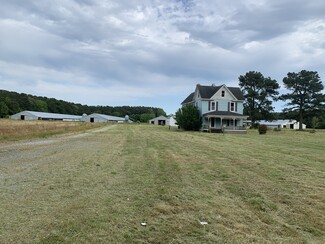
x,y
18,129
100,187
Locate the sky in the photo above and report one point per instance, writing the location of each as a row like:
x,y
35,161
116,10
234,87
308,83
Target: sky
x,y
153,52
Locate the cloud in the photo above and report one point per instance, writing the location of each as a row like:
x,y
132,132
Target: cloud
x,y
152,51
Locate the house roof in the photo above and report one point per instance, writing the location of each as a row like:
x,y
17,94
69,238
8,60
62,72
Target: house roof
x,y
223,113
237,92
206,92
189,98
51,115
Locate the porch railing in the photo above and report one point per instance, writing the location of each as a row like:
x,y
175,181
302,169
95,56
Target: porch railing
x,y
234,128
221,129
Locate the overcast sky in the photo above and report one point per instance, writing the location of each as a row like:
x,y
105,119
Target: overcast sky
x,y
153,52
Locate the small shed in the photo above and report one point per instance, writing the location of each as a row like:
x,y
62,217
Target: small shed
x,y
103,118
162,120
33,115
171,121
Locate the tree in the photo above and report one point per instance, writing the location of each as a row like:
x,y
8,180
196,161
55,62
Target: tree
x,y
188,118
4,110
258,90
306,93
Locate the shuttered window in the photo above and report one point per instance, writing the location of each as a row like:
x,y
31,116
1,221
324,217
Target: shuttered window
x,y
232,107
212,106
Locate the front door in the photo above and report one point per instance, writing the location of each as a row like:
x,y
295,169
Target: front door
x,y
212,122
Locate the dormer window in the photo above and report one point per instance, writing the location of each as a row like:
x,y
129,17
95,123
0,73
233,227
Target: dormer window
x,y
222,93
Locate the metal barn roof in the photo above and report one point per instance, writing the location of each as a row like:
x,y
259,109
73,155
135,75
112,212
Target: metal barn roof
x,y
52,115
108,117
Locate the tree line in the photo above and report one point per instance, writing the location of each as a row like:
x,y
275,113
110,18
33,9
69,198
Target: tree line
x,y
13,102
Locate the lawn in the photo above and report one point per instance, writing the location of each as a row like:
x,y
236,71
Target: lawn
x,y
99,188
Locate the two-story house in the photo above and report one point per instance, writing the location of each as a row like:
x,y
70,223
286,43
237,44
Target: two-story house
x,y
221,107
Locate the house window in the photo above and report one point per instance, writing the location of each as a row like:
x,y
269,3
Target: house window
x,y
233,107
212,106
222,93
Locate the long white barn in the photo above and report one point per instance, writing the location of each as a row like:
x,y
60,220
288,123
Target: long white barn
x,y
103,118
282,123
32,115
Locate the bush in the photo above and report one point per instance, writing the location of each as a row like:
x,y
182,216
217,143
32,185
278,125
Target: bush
x,y
262,129
321,125
188,118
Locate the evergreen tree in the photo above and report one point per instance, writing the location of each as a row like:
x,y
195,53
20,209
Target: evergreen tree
x,y
258,91
305,96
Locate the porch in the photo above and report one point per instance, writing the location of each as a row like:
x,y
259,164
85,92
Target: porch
x,y
224,122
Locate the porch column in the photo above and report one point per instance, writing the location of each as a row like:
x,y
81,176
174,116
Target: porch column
x,y
233,123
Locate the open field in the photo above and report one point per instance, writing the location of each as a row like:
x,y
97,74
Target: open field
x,y
18,129
100,186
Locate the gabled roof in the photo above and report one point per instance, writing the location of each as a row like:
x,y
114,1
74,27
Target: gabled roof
x,y
237,92
188,99
206,92
52,115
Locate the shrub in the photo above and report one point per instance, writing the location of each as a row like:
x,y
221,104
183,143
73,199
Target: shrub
x,y
188,118
262,129
321,125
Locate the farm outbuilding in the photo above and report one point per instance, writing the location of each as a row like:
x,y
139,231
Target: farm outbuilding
x,y
282,124
103,118
162,120
32,115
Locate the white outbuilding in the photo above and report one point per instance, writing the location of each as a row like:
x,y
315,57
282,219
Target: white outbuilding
x,y
162,120
282,124
103,118
32,115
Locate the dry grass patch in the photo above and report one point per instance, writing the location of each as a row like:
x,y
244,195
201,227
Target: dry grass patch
x,y
17,129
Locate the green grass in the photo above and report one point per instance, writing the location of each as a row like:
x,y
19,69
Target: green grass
x,y
100,188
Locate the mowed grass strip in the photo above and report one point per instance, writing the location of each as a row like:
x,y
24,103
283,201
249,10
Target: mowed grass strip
x,y
100,188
